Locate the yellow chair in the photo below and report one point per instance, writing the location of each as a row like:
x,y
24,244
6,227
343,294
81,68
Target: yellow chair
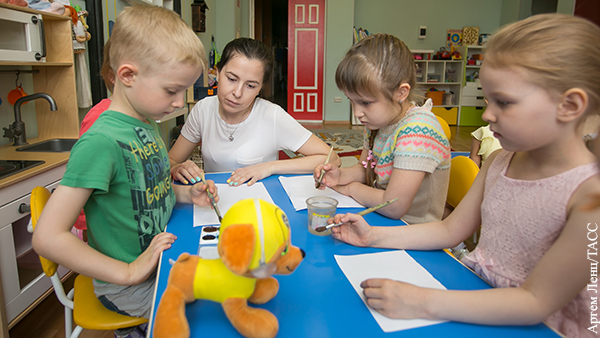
x,y
462,174
80,303
445,127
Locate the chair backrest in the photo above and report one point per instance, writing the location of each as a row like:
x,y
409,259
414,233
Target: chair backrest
x,y
39,198
462,174
445,127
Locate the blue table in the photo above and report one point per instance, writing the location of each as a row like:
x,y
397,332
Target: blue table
x,y
317,300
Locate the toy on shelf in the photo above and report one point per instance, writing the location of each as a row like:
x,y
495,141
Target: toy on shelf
x,y
254,243
442,54
436,96
455,53
21,3
470,36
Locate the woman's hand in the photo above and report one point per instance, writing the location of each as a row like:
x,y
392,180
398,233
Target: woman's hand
x,y
355,229
143,266
395,299
250,174
199,196
186,172
331,177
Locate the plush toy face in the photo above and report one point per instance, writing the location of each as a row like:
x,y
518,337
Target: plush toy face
x,y
271,238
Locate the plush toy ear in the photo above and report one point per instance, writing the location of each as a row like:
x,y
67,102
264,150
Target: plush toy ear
x,y
236,247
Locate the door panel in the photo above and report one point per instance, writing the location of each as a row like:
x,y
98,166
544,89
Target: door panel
x,y
306,26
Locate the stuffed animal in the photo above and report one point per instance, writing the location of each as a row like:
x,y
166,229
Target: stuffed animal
x,y
254,243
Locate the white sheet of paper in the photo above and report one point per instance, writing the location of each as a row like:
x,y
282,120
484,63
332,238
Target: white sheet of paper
x,y
228,196
396,265
300,188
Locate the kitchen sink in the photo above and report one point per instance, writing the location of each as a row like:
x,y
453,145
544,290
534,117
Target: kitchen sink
x,y
57,145
8,167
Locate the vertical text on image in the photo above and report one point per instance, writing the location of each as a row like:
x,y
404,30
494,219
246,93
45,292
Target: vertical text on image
x,y
592,256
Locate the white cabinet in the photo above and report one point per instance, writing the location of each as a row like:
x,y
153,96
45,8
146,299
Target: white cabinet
x,y
472,99
23,281
443,78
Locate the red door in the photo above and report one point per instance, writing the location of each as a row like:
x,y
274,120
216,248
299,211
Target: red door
x,y
306,28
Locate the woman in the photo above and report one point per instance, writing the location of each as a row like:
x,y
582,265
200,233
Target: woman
x,y
240,131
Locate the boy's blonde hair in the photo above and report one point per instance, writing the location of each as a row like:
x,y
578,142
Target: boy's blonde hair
x,y
152,36
559,52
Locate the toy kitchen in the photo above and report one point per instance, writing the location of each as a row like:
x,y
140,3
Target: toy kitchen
x,y
40,124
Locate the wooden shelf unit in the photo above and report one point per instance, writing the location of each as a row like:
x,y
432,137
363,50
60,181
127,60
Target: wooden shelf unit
x,y
56,77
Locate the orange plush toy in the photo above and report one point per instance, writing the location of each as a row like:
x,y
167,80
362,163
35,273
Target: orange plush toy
x,y
254,243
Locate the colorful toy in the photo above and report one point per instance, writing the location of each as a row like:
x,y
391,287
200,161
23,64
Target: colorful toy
x,y
254,243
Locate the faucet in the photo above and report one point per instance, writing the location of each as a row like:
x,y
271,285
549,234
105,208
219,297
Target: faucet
x,y
16,131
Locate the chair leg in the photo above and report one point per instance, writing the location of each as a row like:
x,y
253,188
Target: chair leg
x,y
69,317
68,322
76,332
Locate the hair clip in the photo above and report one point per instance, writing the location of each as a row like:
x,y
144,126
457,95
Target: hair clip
x,y
370,156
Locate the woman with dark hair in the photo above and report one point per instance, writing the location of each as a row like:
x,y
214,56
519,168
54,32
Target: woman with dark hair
x,y
240,131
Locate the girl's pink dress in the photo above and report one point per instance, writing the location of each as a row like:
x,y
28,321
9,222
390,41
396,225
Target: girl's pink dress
x,y
521,220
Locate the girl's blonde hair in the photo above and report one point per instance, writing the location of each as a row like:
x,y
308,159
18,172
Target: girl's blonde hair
x,y
559,52
377,65
153,36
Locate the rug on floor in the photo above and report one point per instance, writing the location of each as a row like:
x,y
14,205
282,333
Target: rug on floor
x,y
347,143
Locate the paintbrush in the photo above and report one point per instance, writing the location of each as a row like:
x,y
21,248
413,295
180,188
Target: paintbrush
x,y
323,170
362,213
212,199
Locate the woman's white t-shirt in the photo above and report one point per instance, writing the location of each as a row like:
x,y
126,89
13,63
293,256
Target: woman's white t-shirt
x,y
267,130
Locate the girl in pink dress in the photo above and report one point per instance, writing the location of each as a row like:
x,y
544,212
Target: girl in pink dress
x,y
537,200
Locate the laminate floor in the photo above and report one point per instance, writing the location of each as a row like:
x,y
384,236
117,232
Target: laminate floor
x,y
47,319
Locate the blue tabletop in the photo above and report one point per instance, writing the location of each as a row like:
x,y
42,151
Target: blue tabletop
x,y
317,300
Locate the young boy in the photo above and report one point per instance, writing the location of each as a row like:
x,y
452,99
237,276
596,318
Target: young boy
x,y
119,170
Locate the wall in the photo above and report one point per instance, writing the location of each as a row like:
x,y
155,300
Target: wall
x,y
338,40
402,18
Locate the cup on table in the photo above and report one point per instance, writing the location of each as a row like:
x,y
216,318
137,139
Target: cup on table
x,y
320,208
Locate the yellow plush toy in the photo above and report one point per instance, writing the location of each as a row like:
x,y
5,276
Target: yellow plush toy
x,y
254,243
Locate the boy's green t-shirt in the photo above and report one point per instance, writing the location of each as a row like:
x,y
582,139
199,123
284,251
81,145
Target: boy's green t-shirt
x,y
126,162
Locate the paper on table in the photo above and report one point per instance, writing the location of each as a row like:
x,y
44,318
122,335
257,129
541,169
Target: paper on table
x,y
228,196
396,265
300,188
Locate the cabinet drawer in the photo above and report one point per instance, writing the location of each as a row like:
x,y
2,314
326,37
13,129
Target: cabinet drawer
x,y
448,114
472,91
471,116
473,101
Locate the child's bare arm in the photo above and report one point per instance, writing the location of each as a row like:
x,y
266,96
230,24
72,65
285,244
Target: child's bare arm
x,y
474,154
53,239
196,193
336,176
458,226
559,276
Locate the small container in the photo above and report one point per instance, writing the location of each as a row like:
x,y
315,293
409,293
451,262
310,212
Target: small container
x,y
320,208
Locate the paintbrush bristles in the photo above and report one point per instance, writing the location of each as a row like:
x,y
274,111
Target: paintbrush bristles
x,y
212,198
318,184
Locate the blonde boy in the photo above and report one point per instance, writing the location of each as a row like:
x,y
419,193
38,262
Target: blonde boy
x,y
119,170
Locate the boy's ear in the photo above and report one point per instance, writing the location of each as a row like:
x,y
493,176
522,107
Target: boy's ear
x,y
402,92
126,73
573,104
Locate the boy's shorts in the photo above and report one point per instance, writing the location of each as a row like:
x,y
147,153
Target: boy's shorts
x,y
132,300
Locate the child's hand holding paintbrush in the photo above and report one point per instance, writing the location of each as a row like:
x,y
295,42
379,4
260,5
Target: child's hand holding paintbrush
x,y
356,231
320,171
